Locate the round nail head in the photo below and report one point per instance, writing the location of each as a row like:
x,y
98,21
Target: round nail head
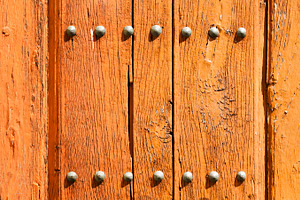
x,y
241,32
213,176
213,32
155,30
128,176
186,32
158,176
99,176
71,31
128,31
241,176
99,31
71,177
187,177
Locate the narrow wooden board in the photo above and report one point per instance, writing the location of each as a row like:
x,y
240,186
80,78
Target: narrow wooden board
x,y
89,116
218,99
152,99
23,109
284,100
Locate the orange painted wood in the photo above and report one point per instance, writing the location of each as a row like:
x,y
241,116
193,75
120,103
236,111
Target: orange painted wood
x,y
152,99
54,186
85,104
89,89
283,100
23,94
218,99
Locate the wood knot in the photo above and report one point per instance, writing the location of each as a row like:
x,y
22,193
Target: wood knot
x,y
6,31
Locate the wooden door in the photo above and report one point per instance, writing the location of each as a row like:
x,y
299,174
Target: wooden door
x,y
146,103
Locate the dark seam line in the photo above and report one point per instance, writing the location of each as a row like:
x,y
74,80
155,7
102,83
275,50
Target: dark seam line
x,y
173,140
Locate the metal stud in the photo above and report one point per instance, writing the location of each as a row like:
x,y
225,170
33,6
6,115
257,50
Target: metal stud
x,y
71,31
99,176
187,177
128,31
158,176
213,176
128,176
241,32
155,30
99,31
186,32
241,176
71,177
213,32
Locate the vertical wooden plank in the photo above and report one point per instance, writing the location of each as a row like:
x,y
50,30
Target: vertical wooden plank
x,y
152,99
23,111
90,119
218,99
54,17
283,100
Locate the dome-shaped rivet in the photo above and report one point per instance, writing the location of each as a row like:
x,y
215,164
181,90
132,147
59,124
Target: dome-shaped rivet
x,y
99,31
213,32
241,176
213,176
71,177
187,177
158,176
241,32
186,32
128,176
128,31
71,31
99,176
155,30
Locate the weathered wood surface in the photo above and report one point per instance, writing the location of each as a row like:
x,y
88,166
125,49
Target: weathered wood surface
x,y
89,89
23,111
218,99
107,103
284,100
152,99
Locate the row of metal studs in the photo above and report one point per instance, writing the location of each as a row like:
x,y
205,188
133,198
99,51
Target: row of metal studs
x,y
156,31
158,176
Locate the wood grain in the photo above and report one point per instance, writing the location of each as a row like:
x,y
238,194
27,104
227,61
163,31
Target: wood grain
x,y
152,99
89,116
23,111
107,103
218,99
283,100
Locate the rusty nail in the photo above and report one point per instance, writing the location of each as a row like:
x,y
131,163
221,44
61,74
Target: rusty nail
x,y
155,30
71,31
158,176
213,32
99,176
213,176
99,31
128,31
187,177
241,176
71,177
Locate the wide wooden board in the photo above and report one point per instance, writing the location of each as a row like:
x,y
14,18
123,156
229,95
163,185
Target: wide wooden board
x,y
284,100
89,93
152,99
218,99
23,94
